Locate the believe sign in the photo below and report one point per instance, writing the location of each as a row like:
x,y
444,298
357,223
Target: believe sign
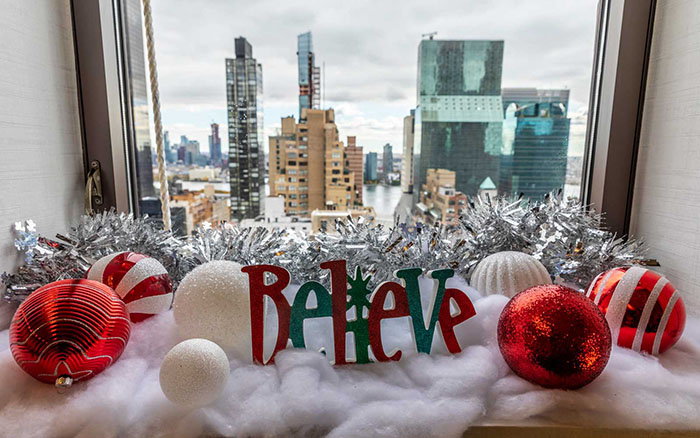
x,y
365,326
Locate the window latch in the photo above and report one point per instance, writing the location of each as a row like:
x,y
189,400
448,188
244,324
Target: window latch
x,y
93,188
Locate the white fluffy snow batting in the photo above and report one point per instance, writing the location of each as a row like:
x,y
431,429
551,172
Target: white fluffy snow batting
x,y
303,395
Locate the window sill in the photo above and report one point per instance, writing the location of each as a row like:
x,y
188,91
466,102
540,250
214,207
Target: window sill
x,y
544,429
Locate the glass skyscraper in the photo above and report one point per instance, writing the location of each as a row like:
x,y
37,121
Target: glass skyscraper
x,y
371,167
309,74
387,162
536,141
246,156
140,137
459,116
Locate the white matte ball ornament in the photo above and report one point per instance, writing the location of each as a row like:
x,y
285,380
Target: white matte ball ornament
x,y
507,273
213,302
194,373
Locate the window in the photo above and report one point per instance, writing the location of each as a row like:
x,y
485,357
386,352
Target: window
x,y
523,120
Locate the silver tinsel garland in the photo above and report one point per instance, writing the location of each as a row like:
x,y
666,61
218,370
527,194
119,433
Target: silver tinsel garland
x,y
561,233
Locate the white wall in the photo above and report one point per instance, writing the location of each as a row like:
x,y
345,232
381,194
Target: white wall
x,y
666,208
41,170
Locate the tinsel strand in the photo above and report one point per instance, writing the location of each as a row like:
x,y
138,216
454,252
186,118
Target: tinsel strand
x,y
565,236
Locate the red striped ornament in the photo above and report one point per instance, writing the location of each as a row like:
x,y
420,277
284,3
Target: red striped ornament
x,y
142,282
644,311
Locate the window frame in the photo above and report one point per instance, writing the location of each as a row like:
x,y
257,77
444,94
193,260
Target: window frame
x,y
101,98
616,105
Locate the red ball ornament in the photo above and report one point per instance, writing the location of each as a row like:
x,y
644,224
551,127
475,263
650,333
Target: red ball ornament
x,y
644,311
553,336
69,330
141,281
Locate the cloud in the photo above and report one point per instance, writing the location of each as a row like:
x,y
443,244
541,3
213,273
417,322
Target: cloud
x,y
369,49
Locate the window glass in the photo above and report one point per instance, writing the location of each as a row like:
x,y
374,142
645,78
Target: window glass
x,y
455,98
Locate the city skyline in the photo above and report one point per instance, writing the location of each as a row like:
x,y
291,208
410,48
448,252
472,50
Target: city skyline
x,y
370,70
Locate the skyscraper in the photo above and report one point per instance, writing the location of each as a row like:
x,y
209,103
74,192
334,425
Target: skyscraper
x,y
387,162
141,137
214,145
459,118
309,74
170,150
407,157
371,167
307,165
536,135
246,157
353,161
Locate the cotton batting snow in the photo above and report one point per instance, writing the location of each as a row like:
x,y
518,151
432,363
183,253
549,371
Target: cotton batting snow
x,y
303,395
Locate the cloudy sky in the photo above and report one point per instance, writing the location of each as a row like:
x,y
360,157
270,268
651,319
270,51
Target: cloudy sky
x,y
370,54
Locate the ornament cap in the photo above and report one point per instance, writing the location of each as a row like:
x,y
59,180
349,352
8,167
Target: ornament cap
x,y
63,383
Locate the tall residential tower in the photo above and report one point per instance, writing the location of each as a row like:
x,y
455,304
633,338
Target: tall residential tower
x,y
407,157
246,156
309,74
215,145
387,162
308,166
459,118
353,162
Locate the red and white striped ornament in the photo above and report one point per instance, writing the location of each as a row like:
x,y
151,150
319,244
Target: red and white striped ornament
x,y
142,282
644,311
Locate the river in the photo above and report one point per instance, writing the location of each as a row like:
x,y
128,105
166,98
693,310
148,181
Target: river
x,y
383,199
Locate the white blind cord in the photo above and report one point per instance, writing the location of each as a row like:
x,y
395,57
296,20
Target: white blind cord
x,y
162,176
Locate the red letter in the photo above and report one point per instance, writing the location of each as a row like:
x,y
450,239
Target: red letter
x,y
448,322
339,298
258,290
377,313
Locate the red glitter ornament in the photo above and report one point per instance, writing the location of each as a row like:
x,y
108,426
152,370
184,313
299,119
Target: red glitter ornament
x,y
69,330
553,336
141,281
644,311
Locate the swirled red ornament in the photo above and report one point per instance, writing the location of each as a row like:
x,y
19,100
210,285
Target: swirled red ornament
x,y
645,312
141,281
69,331
554,336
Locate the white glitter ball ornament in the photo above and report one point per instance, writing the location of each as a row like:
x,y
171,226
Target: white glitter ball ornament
x,y
213,302
508,273
194,373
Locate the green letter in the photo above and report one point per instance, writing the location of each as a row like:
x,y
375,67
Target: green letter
x,y
300,312
424,335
